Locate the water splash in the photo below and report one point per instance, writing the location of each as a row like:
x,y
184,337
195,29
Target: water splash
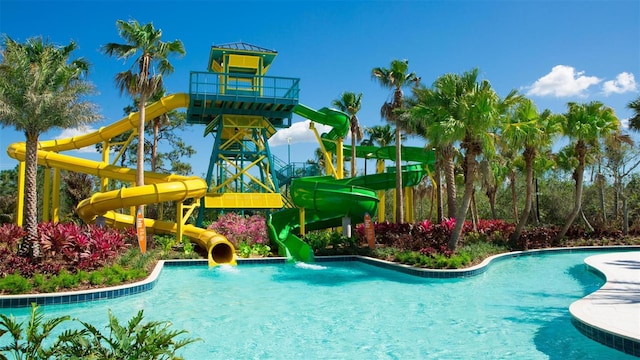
x,y
226,268
303,265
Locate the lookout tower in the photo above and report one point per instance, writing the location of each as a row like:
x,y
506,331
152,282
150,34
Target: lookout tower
x,y
241,109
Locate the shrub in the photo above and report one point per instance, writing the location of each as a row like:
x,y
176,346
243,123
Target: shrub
x,y
15,284
331,242
238,228
64,246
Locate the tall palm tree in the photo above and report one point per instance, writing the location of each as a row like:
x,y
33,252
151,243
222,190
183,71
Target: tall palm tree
x,y
382,135
584,125
531,132
41,88
350,103
438,115
395,78
481,111
151,64
634,121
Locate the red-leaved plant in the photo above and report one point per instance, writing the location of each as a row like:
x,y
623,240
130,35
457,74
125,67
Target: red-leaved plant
x,y
64,246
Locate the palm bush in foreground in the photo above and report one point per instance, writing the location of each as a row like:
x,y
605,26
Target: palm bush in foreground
x,y
136,340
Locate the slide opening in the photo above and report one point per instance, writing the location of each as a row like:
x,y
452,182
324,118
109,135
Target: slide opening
x,y
222,253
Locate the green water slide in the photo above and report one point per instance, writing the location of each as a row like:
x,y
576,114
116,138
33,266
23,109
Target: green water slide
x,y
327,200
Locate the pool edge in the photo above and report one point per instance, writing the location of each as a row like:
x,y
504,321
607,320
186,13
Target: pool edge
x,y
72,297
596,317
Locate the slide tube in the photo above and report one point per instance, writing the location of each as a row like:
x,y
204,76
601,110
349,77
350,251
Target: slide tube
x,y
157,188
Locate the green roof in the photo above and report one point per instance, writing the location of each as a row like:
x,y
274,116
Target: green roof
x,y
217,52
243,46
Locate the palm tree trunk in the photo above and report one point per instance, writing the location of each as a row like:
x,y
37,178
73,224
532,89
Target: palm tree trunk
x,y
577,199
474,211
491,195
514,198
438,192
603,210
450,180
30,245
353,154
399,187
461,214
515,236
140,155
438,189
152,211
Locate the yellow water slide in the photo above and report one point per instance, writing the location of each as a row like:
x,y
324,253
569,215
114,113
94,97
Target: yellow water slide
x,y
157,188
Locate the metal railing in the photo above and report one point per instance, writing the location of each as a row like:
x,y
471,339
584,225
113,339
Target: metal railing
x,y
245,85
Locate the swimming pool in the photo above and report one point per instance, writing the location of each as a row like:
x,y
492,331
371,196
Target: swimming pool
x,y
517,309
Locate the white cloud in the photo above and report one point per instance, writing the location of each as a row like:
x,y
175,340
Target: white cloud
x,y
562,81
82,130
624,82
299,132
624,123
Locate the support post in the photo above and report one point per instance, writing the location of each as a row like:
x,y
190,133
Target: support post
x,y
381,193
340,159
46,196
302,221
346,227
179,221
104,182
408,196
55,201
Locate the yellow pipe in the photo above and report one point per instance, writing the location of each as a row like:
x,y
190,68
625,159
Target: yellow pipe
x,y
340,159
328,159
302,221
408,195
55,201
158,188
46,197
104,182
20,201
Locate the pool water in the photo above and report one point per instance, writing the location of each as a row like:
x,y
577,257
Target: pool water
x,y
517,309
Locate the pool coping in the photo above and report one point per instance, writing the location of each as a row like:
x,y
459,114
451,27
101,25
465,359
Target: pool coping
x,y
611,314
591,325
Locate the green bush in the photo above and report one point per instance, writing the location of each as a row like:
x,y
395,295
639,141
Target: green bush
x,y
15,284
245,250
166,242
330,242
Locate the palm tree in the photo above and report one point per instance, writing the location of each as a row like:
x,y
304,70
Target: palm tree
x,y
350,103
585,125
438,115
382,135
395,78
531,132
634,122
151,65
481,110
41,88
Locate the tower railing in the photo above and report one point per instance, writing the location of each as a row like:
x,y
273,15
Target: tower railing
x,y
243,85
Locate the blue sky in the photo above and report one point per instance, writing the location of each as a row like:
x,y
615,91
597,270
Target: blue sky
x,y
552,51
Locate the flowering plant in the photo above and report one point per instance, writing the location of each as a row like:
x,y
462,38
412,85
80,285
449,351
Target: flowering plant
x,y
239,228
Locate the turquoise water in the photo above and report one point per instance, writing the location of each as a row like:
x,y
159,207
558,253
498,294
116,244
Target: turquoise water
x,y
517,309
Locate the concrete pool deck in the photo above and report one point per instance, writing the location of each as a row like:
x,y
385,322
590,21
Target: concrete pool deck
x,y
611,315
